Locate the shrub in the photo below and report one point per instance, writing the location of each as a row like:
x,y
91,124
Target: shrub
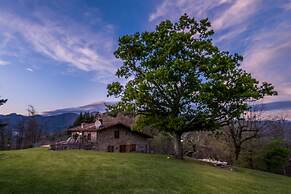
x,y
275,156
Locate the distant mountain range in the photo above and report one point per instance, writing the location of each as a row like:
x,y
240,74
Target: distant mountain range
x,y
275,106
279,109
95,107
56,120
49,124
60,119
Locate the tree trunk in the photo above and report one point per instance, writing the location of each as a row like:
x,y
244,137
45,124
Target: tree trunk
x,y
2,139
178,147
251,161
237,152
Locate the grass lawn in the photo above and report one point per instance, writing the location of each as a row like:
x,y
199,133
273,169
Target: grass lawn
x,y
76,171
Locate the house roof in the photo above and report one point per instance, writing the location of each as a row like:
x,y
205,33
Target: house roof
x,y
91,126
86,127
106,124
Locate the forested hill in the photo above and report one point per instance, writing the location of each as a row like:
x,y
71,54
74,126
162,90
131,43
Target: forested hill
x,y
47,123
55,120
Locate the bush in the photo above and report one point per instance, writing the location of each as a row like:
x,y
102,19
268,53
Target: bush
x,y
275,156
206,145
162,143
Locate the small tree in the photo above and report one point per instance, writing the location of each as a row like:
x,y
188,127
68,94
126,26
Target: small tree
x,y
243,129
20,134
178,81
2,101
2,128
32,131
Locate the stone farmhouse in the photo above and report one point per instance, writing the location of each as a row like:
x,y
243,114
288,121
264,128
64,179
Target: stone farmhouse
x,y
111,135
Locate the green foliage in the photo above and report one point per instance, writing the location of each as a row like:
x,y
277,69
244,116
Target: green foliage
x,y
86,117
162,143
276,156
44,171
179,81
265,154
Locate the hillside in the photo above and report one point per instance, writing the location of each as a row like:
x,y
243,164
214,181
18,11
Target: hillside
x,y
76,171
51,123
55,120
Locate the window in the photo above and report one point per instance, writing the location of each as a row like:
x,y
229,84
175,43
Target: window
x,y
116,134
89,136
122,148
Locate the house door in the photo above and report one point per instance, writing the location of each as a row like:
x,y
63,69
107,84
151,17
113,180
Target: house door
x,y
110,149
132,148
122,148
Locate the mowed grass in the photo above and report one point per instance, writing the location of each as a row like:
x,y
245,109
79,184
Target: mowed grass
x,y
78,171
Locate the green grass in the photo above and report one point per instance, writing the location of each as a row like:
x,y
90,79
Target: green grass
x,y
75,171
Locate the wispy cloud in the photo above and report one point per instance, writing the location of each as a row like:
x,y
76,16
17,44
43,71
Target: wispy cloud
x,y
29,69
171,9
3,63
225,13
268,58
287,6
232,34
78,46
238,13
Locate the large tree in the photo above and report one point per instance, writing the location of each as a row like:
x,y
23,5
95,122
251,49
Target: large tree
x,y
179,81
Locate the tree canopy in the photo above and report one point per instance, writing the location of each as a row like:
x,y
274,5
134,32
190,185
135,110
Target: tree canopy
x,y
2,101
179,81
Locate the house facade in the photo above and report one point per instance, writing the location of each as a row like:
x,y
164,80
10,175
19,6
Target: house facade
x,y
111,137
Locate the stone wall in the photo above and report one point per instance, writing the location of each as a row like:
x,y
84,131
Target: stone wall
x,y
126,140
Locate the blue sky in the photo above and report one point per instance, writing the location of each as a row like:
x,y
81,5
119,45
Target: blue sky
x,y
57,54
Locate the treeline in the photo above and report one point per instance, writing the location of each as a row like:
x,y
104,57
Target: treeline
x,y
26,135
262,145
85,117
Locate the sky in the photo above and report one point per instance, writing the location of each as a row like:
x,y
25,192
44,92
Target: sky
x,y
59,53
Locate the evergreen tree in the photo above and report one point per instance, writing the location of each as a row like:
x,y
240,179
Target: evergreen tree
x,y
85,117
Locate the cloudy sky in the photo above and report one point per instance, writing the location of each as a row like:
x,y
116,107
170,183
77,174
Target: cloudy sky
x,y
56,54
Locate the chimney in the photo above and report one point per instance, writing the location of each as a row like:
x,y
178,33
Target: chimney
x,y
82,125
